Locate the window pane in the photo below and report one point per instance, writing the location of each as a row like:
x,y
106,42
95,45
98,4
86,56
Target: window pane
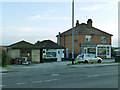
x,y
92,50
48,54
88,38
103,38
51,54
102,51
54,54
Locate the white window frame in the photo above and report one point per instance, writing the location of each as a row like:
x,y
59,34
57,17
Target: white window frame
x,y
88,38
102,39
51,54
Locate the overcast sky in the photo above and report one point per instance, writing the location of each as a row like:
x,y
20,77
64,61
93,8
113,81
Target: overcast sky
x,y
33,21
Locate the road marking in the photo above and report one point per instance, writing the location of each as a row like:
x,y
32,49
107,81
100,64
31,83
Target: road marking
x,y
45,81
21,83
37,81
94,75
54,79
50,80
55,74
3,73
2,85
100,75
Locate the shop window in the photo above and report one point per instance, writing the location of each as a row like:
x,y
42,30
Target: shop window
x,y
92,50
88,38
102,51
51,54
103,39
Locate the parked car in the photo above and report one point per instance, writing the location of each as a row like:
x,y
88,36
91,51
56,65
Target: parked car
x,y
88,58
22,60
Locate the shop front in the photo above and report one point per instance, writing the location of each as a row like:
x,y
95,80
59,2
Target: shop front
x,y
103,51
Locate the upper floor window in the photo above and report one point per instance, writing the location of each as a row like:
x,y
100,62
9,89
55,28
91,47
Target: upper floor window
x,y
103,39
88,38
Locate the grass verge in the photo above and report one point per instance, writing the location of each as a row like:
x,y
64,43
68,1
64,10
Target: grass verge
x,y
6,67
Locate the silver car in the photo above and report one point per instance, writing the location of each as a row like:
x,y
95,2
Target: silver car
x,y
88,58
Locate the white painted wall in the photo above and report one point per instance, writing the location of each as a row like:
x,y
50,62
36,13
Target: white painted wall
x,y
58,56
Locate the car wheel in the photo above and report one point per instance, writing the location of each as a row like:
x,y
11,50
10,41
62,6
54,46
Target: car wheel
x,y
86,61
99,61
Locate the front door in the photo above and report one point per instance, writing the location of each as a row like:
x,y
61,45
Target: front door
x,y
108,52
59,55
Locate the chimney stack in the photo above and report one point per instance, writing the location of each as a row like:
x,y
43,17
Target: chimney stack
x,y
77,23
89,22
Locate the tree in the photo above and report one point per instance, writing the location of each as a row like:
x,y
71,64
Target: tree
x,y
0,56
113,53
4,58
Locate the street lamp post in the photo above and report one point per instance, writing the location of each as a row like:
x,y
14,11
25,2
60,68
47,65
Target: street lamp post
x,y
72,31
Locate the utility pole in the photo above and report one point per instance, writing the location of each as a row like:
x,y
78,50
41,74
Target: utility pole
x,y
72,31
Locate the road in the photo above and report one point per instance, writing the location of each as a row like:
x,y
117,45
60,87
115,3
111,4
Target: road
x,y
59,75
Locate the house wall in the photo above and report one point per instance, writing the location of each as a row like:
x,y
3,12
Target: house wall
x,y
61,52
14,53
36,56
66,41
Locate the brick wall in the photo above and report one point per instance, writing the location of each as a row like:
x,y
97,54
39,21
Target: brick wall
x,y
66,41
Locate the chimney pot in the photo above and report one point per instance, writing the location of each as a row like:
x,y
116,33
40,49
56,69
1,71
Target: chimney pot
x,y
89,22
77,22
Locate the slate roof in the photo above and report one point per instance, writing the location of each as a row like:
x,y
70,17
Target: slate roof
x,y
22,45
48,44
85,29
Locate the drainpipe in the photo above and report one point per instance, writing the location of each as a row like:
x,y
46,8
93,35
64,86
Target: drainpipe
x,y
59,38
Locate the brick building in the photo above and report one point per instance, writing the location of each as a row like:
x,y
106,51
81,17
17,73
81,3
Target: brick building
x,y
87,39
35,52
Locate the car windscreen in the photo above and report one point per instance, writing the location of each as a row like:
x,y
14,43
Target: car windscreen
x,y
92,55
80,56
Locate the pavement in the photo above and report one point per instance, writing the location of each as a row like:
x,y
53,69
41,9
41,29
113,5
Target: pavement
x,y
2,70
57,64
